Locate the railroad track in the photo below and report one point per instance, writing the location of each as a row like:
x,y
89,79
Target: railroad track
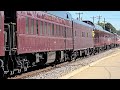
x,y
46,69
35,72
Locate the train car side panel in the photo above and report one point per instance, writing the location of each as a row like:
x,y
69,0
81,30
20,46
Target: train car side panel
x,y
2,51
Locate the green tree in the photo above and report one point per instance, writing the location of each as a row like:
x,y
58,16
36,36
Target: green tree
x,y
101,24
118,32
108,26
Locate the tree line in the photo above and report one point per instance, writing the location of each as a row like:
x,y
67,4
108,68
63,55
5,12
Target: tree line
x,y
109,27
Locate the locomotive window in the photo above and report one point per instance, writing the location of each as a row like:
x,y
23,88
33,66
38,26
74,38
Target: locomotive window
x,y
32,26
27,25
37,26
53,29
41,27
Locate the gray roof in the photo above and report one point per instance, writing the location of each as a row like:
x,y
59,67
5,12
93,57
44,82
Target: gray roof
x,y
61,14
64,14
82,23
98,27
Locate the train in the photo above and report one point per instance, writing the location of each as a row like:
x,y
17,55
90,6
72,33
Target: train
x,y
34,38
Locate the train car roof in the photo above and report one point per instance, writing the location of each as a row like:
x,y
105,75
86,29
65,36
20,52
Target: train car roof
x,y
98,27
62,14
82,23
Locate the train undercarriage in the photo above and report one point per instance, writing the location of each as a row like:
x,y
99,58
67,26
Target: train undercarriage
x,y
20,63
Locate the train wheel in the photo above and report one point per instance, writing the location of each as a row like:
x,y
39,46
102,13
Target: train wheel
x,y
25,69
19,71
1,73
12,72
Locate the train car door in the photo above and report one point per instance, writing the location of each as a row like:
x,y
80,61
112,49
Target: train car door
x,y
10,31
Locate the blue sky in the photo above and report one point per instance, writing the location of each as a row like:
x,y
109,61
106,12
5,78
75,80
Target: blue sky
x,y
110,16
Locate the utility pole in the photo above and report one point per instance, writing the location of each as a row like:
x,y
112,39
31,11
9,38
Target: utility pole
x,y
81,18
99,17
93,18
79,14
104,23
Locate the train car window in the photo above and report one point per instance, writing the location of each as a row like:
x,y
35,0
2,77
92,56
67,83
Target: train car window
x,y
87,34
27,25
45,28
41,27
65,31
68,32
71,32
48,28
32,26
0,22
62,31
82,34
75,33
53,29
59,30
37,26
56,30
67,16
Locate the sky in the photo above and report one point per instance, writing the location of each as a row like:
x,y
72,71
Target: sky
x,y
112,17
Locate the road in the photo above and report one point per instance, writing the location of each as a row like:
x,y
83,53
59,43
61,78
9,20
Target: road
x,y
105,68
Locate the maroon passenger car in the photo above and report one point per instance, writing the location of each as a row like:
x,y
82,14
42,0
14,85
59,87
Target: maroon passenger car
x,y
2,50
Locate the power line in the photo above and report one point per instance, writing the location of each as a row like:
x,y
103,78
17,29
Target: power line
x,y
93,18
104,23
79,14
112,18
99,17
